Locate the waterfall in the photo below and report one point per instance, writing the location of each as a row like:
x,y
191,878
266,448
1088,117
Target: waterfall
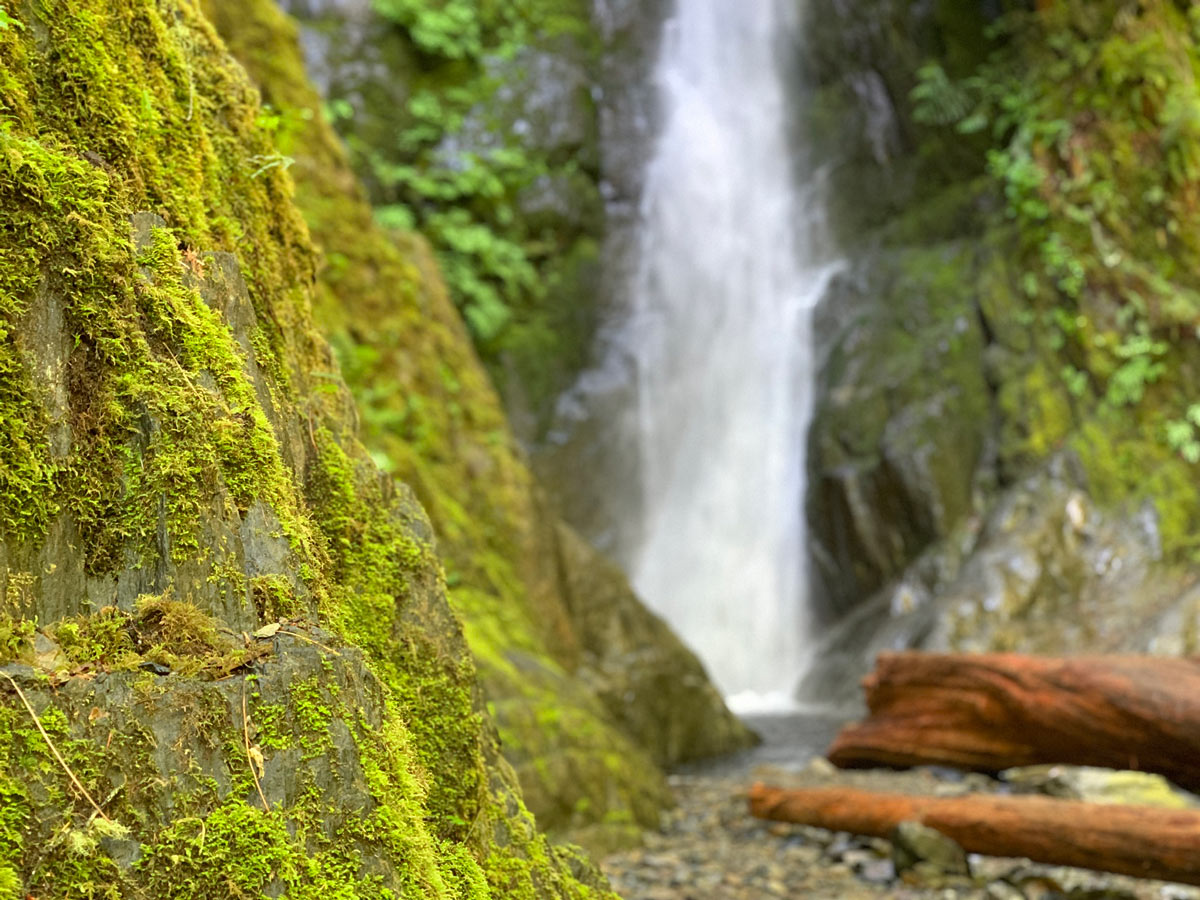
x,y
729,269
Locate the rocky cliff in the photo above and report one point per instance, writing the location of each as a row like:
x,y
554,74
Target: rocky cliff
x,y
1004,457
228,666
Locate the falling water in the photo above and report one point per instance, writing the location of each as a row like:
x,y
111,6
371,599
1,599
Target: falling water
x,y
729,271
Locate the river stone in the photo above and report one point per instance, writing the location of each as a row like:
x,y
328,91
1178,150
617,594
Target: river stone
x,y
915,845
1002,890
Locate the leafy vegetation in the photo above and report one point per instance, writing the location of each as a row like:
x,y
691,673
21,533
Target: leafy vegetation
x,y
461,164
1092,113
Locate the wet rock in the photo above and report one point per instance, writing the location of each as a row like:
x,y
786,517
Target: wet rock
x,y
893,450
915,845
652,684
48,655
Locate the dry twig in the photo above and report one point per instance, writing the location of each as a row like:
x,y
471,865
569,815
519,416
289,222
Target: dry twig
x,y
249,756
49,743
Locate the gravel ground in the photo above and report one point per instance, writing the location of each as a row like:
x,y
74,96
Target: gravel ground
x,y
709,848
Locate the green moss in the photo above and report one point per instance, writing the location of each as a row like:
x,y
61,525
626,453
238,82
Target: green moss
x,y
163,631
256,851
274,598
269,720
140,337
14,812
313,717
1127,464
1038,414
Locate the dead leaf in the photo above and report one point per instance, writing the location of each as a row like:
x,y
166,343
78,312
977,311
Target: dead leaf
x,y
256,759
267,631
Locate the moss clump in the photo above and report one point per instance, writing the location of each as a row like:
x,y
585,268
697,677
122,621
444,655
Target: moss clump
x,y
162,632
1131,465
274,598
16,638
14,808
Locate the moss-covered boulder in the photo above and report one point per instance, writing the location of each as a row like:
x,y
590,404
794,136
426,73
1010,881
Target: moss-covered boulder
x,y
573,666
248,680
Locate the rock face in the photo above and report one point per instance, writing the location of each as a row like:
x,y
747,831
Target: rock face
x,y
590,692
502,114
1001,453
900,432
183,498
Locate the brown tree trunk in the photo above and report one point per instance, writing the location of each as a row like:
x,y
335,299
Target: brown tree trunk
x,y
1130,840
990,712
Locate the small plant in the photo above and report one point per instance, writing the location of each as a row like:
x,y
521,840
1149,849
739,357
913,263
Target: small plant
x,y
937,100
269,162
16,636
1183,435
1142,366
1076,381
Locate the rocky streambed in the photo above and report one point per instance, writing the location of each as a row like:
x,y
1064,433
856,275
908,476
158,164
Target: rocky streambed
x,y
710,848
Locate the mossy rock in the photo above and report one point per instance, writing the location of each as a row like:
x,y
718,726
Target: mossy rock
x,y
903,415
185,434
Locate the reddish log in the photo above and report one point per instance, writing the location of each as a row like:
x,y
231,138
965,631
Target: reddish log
x,y
1130,840
990,712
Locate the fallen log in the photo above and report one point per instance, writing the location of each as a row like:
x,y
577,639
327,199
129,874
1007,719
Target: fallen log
x,y
994,711
1145,842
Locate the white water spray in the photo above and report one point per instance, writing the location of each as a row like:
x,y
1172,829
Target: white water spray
x,y
729,271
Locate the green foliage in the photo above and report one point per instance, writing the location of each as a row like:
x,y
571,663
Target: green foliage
x,y
938,100
10,884
16,636
465,200
1141,366
452,29
1094,113
1183,435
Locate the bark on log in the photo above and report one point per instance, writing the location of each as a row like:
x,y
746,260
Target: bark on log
x,y
1144,842
990,712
